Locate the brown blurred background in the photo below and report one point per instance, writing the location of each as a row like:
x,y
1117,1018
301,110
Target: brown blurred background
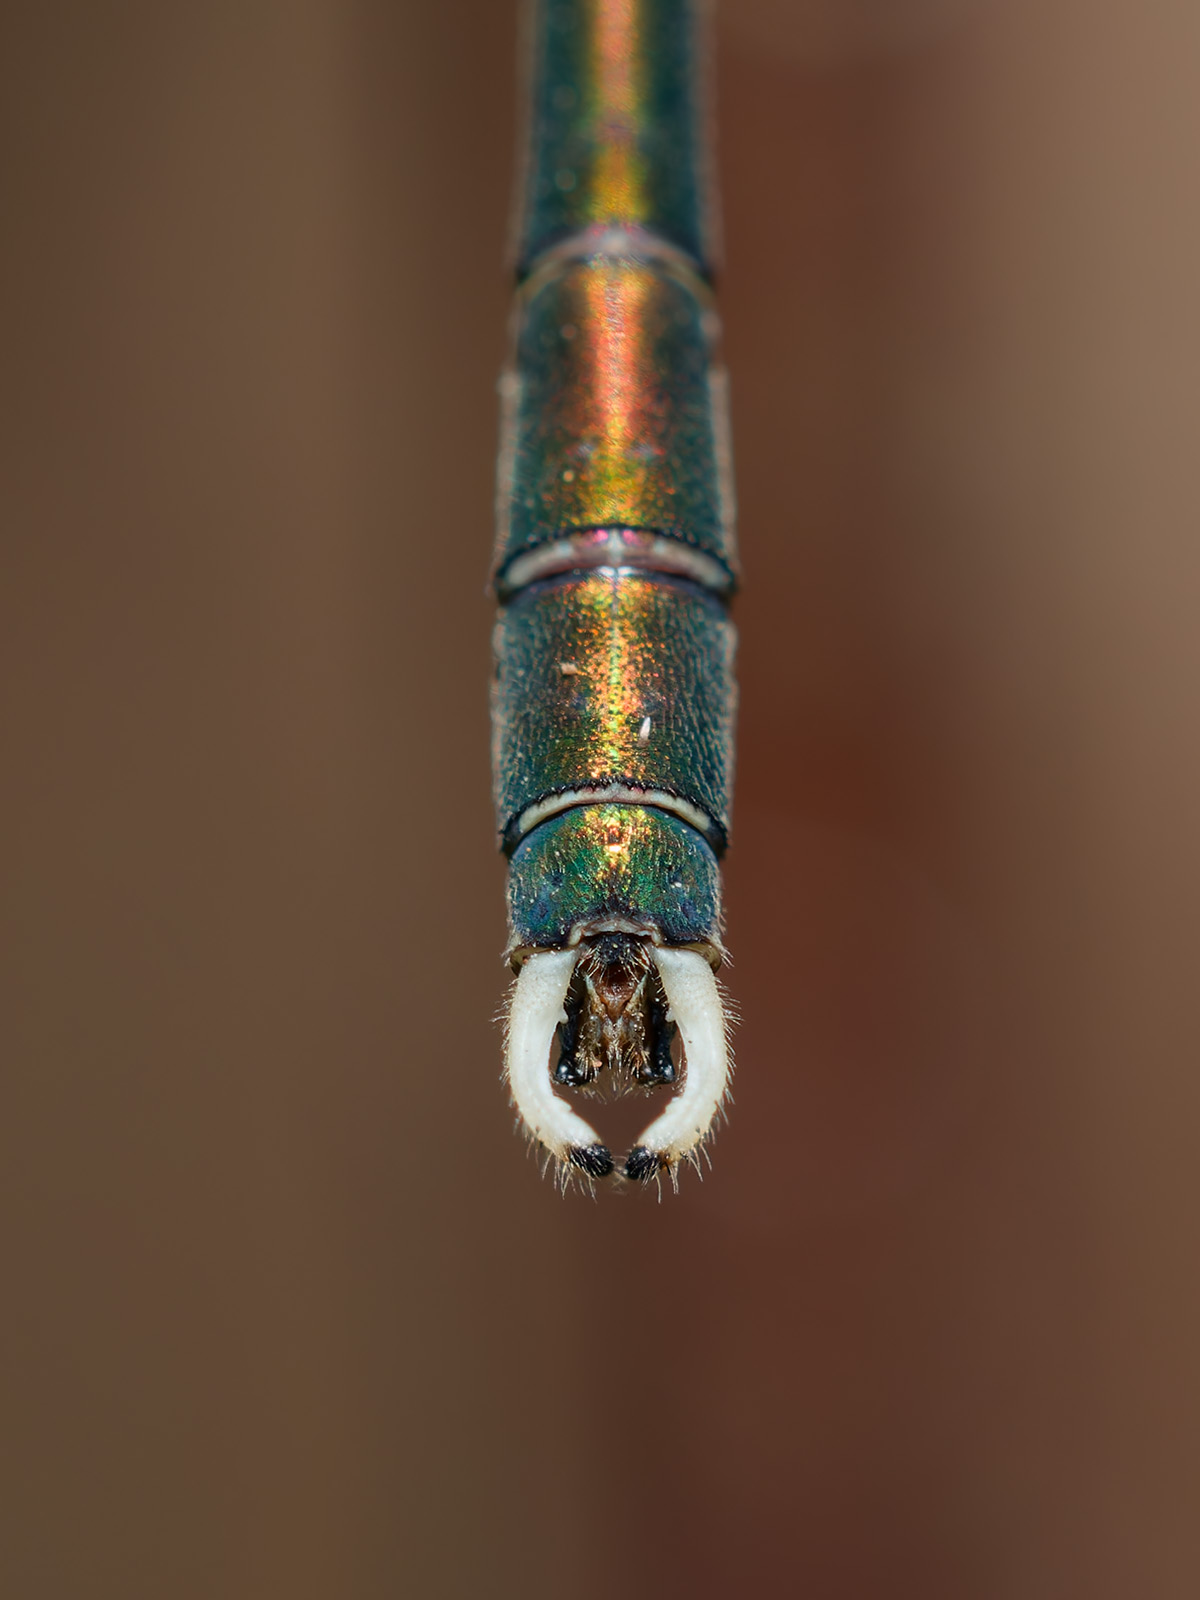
x,y
287,1310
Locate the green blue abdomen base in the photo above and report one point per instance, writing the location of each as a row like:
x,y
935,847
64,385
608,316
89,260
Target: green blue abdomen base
x,y
604,864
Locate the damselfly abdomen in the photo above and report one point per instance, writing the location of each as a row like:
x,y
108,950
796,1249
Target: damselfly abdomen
x,y
614,696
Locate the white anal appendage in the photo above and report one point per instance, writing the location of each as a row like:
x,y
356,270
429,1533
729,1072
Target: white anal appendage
x,y
694,1002
537,1010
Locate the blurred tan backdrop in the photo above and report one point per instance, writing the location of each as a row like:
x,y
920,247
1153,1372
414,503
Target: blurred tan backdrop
x,y
287,1310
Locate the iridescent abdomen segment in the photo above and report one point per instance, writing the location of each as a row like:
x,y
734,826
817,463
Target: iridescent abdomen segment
x,y
616,134
614,412
614,677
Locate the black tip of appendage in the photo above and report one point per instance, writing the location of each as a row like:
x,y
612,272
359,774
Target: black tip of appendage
x,y
641,1164
568,1074
594,1159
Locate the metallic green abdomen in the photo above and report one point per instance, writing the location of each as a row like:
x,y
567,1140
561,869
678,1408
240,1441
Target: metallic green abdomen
x,y
614,698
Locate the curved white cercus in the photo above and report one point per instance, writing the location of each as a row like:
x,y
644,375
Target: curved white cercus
x,y
537,1010
694,1003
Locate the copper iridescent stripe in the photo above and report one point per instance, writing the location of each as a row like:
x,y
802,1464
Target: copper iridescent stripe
x,y
617,190
618,403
